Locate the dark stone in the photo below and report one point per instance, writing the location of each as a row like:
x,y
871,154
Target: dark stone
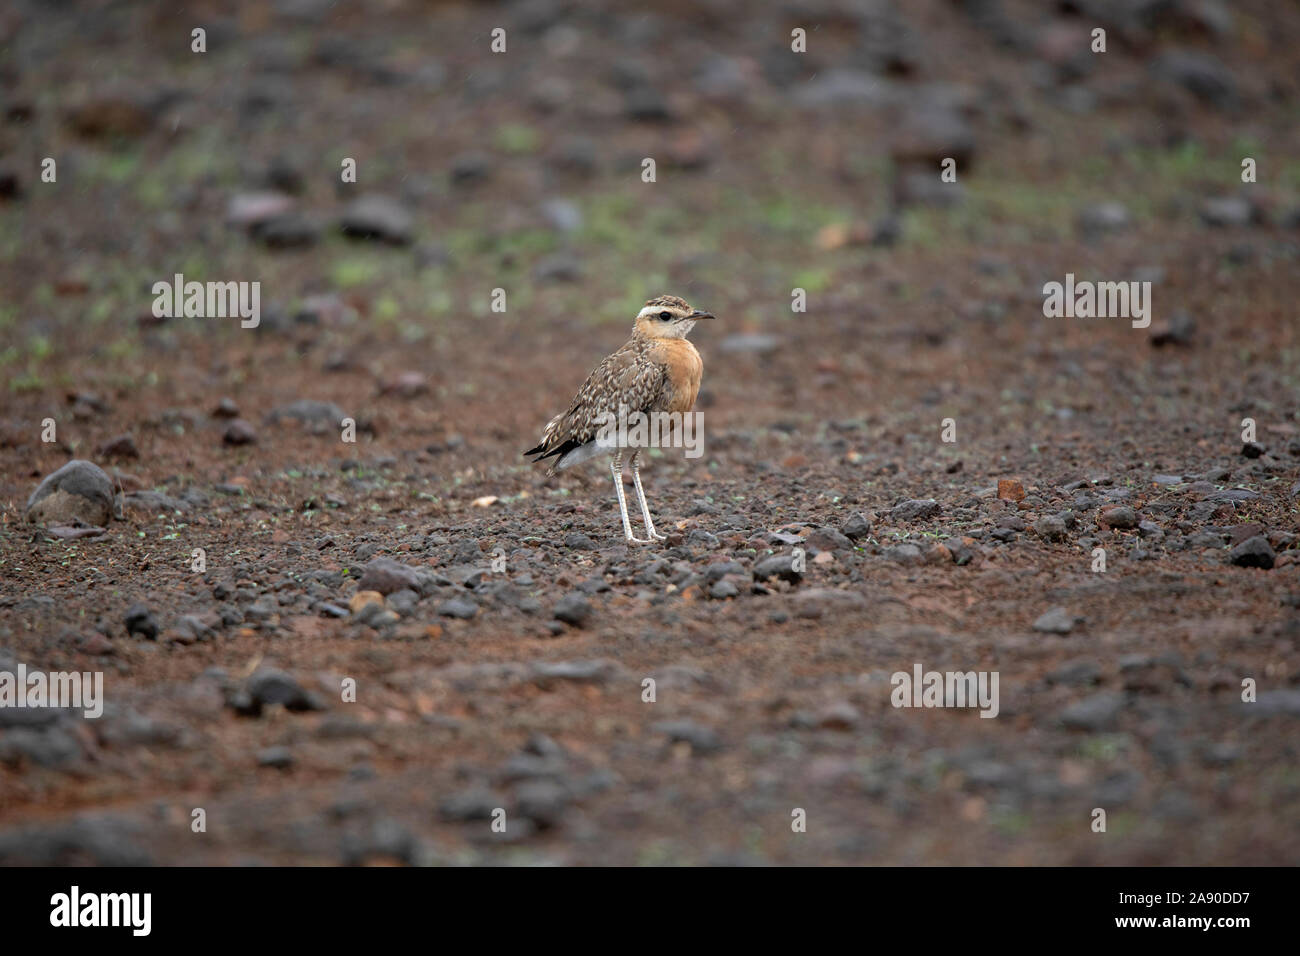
x,y
140,620
779,566
1254,552
573,608
917,509
79,491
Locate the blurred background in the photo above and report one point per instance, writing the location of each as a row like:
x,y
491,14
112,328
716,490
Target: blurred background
x,y
775,171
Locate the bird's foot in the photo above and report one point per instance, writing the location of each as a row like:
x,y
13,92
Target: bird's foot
x,y
631,539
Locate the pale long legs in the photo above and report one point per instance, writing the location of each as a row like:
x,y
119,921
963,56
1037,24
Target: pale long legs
x,y
616,469
645,506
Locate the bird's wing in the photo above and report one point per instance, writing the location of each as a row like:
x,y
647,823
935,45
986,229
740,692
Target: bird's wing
x,y
628,377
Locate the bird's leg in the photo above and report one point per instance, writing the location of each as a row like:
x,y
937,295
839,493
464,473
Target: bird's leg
x,y
645,505
616,468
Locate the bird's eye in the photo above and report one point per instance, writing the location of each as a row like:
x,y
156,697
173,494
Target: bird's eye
x,y
665,316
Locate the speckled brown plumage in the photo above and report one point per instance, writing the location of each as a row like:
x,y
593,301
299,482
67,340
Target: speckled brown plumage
x,y
658,370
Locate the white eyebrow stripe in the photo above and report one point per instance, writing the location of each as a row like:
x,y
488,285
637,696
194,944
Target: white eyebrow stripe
x,y
649,310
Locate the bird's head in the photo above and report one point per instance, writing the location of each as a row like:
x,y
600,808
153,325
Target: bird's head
x,y
668,317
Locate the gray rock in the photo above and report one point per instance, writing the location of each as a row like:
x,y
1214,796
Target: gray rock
x,y
376,616
403,602
1254,552
723,590
558,267
915,186
1119,517
1284,702
1076,672
1095,713
1227,211
239,432
573,608
1056,621
1233,495
317,415
251,210
264,609
579,541
816,601
778,566
543,801
1149,529
140,620
195,627
840,715
698,536
528,766
702,739
79,491
1102,217
858,526
95,839
962,553
52,747
933,128
29,716
153,501
563,214
1118,788
123,446
643,102
269,686
281,758
377,217
583,672
469,168
716,572
1050,528
917,509
1201,74
828,539
292,230
905,554
460,608
1179,330
844,87
471,804
388,576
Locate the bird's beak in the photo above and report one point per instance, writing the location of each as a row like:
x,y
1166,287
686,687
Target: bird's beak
x,y
697,314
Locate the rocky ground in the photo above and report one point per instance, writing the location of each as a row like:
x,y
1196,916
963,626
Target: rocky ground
x,y
385,641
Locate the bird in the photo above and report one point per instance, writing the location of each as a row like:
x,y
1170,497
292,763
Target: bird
x,y
658,370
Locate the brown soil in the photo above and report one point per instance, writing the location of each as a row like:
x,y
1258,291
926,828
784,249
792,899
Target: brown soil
x,y
775,698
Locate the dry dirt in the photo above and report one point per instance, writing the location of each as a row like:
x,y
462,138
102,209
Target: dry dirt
x,y
770,695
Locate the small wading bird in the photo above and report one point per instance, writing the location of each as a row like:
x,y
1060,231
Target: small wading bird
x,y
656,371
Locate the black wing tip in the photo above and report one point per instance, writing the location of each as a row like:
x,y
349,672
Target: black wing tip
x,y
559,451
